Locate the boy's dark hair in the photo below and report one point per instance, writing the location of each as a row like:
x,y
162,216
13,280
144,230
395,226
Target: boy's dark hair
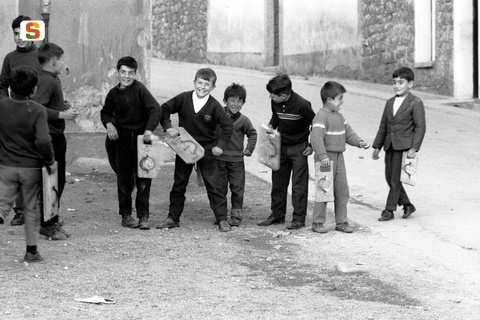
x,y
405,73
18,20
235,90
206,74
331,89
128,62
23,80
48,51
281,84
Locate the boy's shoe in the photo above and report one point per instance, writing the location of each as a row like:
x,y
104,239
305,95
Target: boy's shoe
x,y
386,215
295,224
271,220
52,232
408,209
144,225
60,229
234,221
32,257
17,219
223,226
319,227
168,223
344,227
129,222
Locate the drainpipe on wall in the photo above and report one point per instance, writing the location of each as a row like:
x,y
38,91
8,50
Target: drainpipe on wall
x,y
46,17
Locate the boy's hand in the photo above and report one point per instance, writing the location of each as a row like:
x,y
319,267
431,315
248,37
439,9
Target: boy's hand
x,y
364,145
112,132
172,132
147,136
247,152
68,115
325,163
49,168
411,153
375,154
66,105
308,151
270,129
216,151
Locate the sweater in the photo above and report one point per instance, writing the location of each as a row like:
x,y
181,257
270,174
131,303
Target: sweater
x,y
330,133
25,140
20,56
242,126
293,119
201,126
131,108
50,95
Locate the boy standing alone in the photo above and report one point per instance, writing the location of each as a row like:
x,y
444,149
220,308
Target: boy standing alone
x,y
330,133
292,115
230,163
199,113
130,110
402,129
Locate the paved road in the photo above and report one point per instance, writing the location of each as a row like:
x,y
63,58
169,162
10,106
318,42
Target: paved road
x,y
446,227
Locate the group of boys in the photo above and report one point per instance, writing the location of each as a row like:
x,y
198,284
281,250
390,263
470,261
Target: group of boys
x,y
130,110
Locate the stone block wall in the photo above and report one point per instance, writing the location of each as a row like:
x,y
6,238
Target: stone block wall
x,y
179,30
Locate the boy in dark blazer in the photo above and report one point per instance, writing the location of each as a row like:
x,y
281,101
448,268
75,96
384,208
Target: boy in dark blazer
x,y
402,128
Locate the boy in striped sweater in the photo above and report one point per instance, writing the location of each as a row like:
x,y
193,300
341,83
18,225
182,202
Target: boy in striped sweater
x,y
330,133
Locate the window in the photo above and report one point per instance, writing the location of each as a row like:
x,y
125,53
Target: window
x,y
424,33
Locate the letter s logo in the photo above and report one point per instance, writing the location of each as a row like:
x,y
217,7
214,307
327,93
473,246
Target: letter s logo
x,y
32,27
32,30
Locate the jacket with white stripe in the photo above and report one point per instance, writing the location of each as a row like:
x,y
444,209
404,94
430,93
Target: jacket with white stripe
x,y
330,133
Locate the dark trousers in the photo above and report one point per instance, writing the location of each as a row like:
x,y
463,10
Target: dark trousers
x,y
209,169
292,162
124,157
393,169
59,143
233,174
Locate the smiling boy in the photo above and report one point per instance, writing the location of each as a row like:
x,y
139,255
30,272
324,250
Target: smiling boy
x,y
199,113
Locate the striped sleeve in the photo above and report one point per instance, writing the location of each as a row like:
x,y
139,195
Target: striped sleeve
x,y
317,137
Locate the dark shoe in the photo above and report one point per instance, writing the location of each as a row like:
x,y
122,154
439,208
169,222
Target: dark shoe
x,y
319,227
129,222
144,225
31,257
60,229
386,215
51,232
271,220
344,227
168,223
234,221
408,209
223,226
295,224
17,219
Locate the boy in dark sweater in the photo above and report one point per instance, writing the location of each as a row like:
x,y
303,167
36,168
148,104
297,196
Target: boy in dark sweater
x,y
199,113
292,116
130,110
330,133
25,148
230,163
50,95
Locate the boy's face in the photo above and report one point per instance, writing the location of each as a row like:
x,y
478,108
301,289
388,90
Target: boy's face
x,y
234,104
126,75
19,42
203,87
278,98
401,86
334,104
58,64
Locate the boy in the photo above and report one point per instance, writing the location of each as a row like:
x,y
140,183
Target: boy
x,y
230,163
50,95
292,115
199,113
26,53
130,110
330,133
402,128
25,148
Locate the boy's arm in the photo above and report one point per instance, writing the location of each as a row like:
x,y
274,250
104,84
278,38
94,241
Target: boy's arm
x,y
274,119
43,97
4,76
43,141
251,134
382,130
226,127
154,111
317,140
351,137
170,107
420,125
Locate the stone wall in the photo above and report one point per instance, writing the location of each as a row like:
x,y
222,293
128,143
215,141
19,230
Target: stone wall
x,y
179,30
388,31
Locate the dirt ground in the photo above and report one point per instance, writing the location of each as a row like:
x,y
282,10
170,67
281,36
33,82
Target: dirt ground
x,y
197,272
